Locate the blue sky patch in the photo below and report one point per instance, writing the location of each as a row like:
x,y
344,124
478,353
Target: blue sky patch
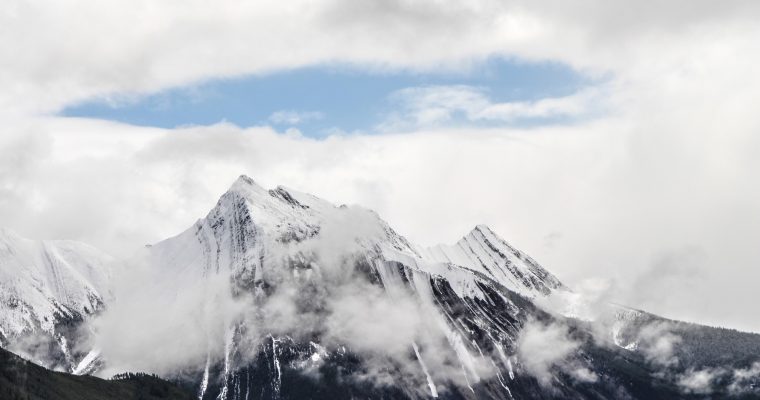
x,y
319,100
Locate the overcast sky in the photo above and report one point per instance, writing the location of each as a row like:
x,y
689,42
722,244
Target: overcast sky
x,y
616,142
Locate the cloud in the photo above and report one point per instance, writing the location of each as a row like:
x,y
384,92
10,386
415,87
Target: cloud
x,y
718,380
540,347
363,316
669,166
545,348
658,344
115,49
294,117
170,328
745,380
435,105
697,381
681,267
139,185
582,374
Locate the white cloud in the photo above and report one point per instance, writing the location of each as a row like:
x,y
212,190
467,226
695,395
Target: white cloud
x,y
422,107
140,46
658,344
741,381
745,380
170,328
697,381
672,166
545,348
294,117
582,374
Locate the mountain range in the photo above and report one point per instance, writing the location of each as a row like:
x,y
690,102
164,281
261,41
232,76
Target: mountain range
x,y
277,294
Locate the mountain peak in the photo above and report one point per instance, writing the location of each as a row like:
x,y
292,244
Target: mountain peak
x,y
483,251
247,188
482,232
482,228
244,182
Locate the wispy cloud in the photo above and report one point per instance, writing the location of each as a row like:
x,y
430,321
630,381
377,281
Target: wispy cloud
x,y
290,117
427,106
745,380
698,381
658,344
741,381
542,348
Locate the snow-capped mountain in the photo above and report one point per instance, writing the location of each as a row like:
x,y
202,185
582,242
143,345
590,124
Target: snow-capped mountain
x,y
270,240
279,294
46,289
469,302
251,229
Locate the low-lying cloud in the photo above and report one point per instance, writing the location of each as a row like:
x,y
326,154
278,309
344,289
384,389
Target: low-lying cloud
x,y
745,380
658,343
737,382
160,321
544,348
697,381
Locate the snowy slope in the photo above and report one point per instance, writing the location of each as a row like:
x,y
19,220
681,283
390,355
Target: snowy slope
x,y
44,284
250,226
484,252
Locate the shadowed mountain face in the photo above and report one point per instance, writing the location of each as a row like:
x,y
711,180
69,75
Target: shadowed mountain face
x,y
23,380
279,294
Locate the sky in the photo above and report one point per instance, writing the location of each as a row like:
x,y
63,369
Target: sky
x,y
328,99
615,142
